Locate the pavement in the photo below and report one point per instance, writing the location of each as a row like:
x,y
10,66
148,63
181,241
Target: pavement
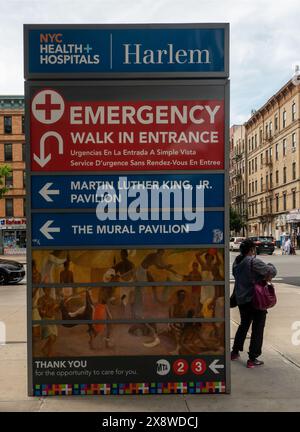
x,y
273,387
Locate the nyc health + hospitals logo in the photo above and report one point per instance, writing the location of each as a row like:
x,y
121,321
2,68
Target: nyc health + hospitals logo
x,y
55,49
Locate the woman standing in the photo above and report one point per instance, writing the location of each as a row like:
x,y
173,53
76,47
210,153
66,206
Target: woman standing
x,y
248,270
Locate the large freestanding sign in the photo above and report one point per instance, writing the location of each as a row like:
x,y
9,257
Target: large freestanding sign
x,y
128,289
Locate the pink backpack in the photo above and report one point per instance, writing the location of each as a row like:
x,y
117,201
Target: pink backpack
x,y
264,296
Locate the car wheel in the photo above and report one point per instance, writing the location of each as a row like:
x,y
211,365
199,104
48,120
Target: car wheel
x,y
2,278
270,253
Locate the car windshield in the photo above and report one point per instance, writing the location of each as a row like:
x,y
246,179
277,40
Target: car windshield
x,y
239,239
266,239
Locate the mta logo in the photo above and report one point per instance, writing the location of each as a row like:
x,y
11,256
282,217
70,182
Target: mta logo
x,y
163,367
51,37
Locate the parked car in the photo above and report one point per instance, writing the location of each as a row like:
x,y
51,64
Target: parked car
x,y
264,244
11,271
235,242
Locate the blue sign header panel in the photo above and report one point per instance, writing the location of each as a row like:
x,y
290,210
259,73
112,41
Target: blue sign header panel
x,y
86,191
92,51
182,228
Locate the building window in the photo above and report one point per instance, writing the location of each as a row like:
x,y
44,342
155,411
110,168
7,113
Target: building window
x,y
277,177
266,131
249,167
294,170
255,207
284,119
249,188
284,201
267,181
276,152
284,147
271,153
276,122
260,136
261,184
277,203
294,141
293,111
271,206
252,165
9,207
256,164
7,124
23,124
261,160
9,180
255,140
270,128
8,153
284,175
255,185
252,143
271,180
294,198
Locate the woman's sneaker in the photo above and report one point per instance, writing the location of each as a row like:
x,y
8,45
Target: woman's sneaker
x,y
234,355
251,364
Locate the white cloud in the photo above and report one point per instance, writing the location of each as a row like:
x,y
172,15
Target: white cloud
x,y
265,39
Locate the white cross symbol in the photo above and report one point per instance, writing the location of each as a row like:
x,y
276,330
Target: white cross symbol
x,y
47,106
88,48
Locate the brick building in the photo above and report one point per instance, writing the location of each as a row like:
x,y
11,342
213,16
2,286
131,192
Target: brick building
x,y
238,181
12,153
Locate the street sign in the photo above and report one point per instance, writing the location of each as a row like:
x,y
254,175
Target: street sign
x,y
75,128
128,233
77,192
66,51
189,228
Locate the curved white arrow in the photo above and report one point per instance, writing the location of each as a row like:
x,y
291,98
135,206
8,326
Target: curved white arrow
x,y
214,366
46,229
45,192
42,160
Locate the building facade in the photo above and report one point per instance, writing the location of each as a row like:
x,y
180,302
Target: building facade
x,y
272,136
238,182
12,153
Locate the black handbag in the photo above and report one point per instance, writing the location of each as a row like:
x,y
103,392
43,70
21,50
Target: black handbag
x,y
233,302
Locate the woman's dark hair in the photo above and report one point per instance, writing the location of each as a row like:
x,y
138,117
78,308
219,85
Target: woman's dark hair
x,y
246,247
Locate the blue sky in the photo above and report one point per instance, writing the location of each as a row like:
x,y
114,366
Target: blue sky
x,y
265,37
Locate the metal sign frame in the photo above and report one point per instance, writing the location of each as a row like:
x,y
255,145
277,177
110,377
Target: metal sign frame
x,y
127,75
135,83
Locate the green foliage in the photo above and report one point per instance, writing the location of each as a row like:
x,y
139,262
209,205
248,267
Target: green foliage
x,y
236,221
5,171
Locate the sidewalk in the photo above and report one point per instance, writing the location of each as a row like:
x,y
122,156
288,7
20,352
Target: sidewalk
x,y
273,387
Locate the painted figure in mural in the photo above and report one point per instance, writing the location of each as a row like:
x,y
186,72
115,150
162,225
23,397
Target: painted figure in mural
x,y
210,262
36,279
178,310
48,307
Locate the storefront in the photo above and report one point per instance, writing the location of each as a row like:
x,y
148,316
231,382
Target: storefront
x,y
293,220
13,236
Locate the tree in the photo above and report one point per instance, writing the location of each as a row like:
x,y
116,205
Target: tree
x,y
5,171
236,221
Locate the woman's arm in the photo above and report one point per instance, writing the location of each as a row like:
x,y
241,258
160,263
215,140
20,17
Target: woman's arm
x,y
267,271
